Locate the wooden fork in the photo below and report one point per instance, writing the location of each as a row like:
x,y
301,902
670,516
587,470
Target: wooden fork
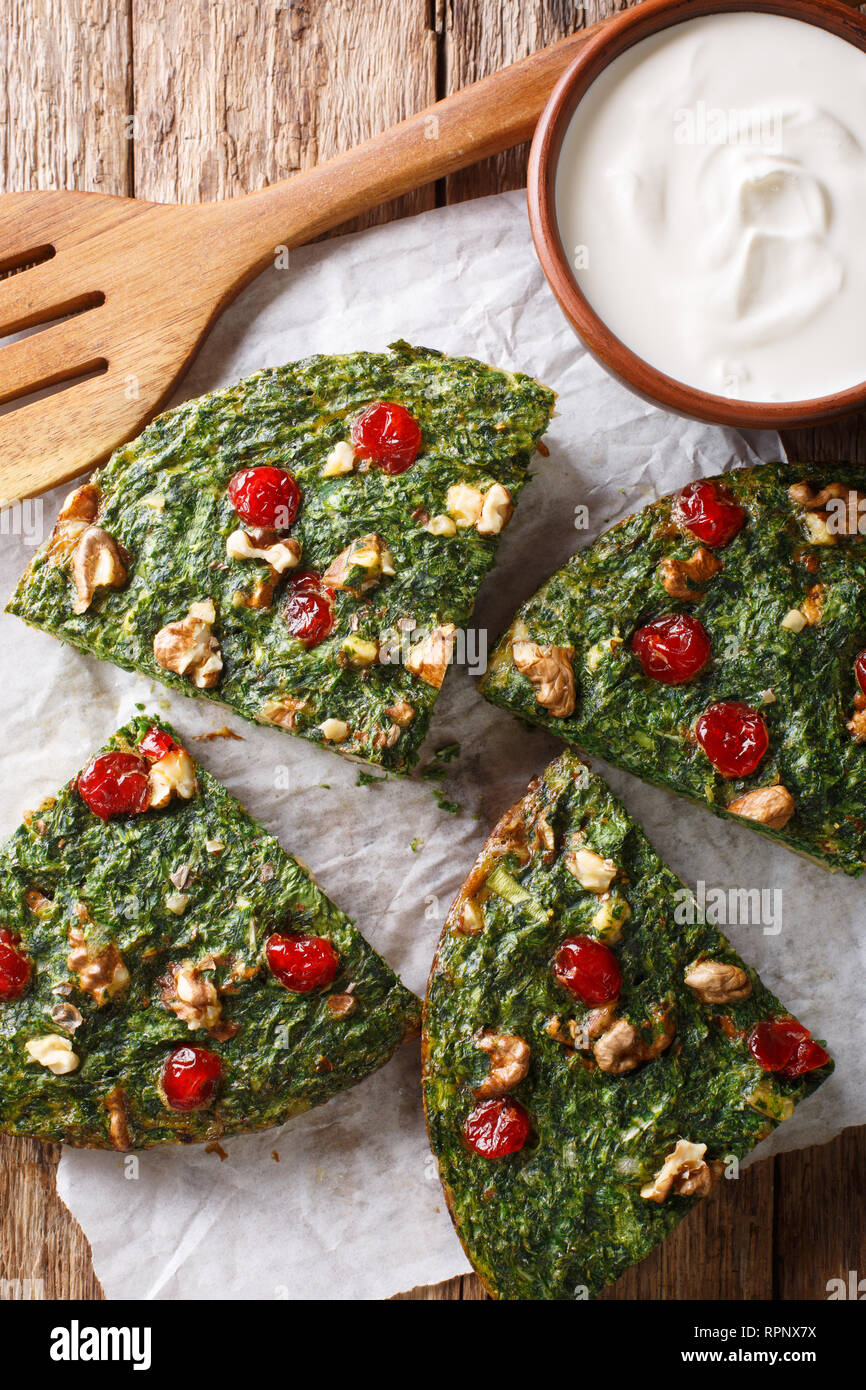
x,y
142,282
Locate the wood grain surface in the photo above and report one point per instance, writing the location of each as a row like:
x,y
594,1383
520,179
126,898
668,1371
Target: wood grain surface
x,y
186,100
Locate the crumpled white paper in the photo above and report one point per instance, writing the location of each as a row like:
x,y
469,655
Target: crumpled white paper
x,y
353,1208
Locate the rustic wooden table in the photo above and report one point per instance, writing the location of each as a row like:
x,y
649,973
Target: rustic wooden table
x,y
181,101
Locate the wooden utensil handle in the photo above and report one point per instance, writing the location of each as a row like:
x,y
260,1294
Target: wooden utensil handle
x,y
484,119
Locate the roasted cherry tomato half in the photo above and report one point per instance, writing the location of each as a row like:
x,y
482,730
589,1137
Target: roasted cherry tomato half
x,y
190,1077
860,671
115,784
785,1046
672,649
309,609
302,963
733,736
155,744
14,967
709,512
588,969
388,435
265,496
496,1128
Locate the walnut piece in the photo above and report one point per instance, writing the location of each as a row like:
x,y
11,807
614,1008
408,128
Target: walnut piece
x,y
96,564
102,974
685,1172
716,982
550,670
342,1005
192,996
369,555
681,578
496,511
856,726
591,870
283,711
190,648
174,775
401,712
118,1119
79,511
770,806
509,1063
621,1047
53,1052
281,555
429,658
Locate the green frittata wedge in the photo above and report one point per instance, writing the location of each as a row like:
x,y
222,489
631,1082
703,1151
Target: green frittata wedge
x,y
304,546
596,1057
710,644
168,973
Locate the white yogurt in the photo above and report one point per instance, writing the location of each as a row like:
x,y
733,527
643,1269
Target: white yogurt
x,y
711,193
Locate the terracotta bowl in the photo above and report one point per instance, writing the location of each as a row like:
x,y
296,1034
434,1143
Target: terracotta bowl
x,y
618,35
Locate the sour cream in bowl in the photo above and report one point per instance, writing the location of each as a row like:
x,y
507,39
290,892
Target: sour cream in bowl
x,y
698,201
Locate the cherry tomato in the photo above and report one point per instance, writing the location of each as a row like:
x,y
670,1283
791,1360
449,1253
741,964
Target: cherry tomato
x,y
302,963
588,969
265,496
155,744
672,649
733,736
496,1128
14,967
709,511
190,1077
785,1046
115,784
388,435
860,671
309,609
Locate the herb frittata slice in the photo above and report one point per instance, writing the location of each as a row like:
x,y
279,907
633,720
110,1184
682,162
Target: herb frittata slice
x,y
596,1057
303,547
713,643
168,973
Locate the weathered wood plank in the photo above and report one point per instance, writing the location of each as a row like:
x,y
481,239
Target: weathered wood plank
x,y
821,1217
43,1252
232,97
479,37
65,95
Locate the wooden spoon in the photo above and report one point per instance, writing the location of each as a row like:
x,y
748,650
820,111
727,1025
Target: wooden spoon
x,y
144,281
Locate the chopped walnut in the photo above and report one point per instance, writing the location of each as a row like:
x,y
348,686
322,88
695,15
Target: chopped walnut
x,y
281,555
550,670
805,496
812,606
192,996
340,460
96,564
591,870
118,1119
370,556
682,578
542,840
102,974
621,1048
469,920
283,711
464,503
190,648
401,712
79,511
67,1017
429,658
334,730
509,1063
342,1005
496,511
52,1052
685,1172
174,775
716,982
769,806
856,726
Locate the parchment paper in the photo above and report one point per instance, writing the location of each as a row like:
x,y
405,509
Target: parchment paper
x,y
353,1208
